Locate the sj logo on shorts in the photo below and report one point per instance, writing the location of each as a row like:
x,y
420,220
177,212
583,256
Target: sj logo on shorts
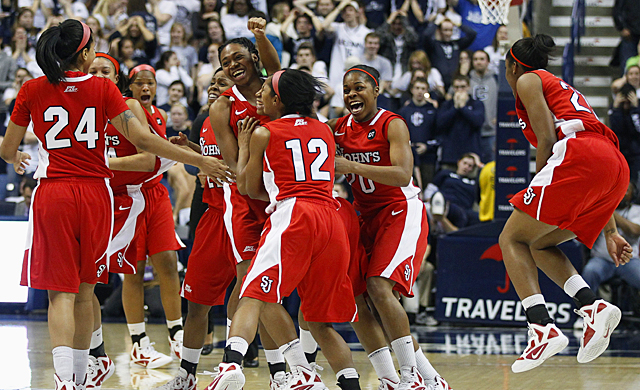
x,y
407,272
266,284
528,196
101,270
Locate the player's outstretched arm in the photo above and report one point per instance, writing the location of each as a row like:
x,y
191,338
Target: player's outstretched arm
x,y
268,53
219,115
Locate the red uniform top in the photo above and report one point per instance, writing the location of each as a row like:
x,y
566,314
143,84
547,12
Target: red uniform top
x,y
158,126
571,112
213,194
240,109
119,146
299,160
69,120
367,143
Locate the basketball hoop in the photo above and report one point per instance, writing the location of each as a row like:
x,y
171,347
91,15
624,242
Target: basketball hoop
x,y
495,11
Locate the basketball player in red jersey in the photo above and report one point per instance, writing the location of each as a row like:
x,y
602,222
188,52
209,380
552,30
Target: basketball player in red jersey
x,y
376,154
244,217
69,109
304,244
562,202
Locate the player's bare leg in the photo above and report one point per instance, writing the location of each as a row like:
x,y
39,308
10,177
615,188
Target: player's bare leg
x,y
337,353
251,358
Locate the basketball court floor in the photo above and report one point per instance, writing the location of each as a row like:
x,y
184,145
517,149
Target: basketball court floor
x,y
469,358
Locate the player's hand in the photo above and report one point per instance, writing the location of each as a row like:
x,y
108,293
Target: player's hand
x,y
257,27
618,248
217,170
179,139
246,128
203,179
343,166
21,163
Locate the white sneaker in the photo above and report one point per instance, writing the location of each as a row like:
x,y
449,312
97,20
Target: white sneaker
x,y
183,381
303,378
145,355
229,377
99,370
441,384
544,342
63,385
278,381
410,379
438,204
176,344
600,320
387,384
425,319
578,324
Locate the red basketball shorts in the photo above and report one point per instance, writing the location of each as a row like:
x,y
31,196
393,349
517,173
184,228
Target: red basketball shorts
x,y
395,239
211,266
358,260
580,187
157,230
304,246
243,223
70,225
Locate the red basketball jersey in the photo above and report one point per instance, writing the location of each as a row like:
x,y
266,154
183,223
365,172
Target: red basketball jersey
x,y
571,111
69,120
367,143
299,161
213,194
158,126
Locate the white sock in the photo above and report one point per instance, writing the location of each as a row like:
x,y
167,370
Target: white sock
x,y
294,354
403,348
96,338
382,362
309,344
136,329
63,362
348,373
80,362
238,344
425,368
274,356
171,324
532,300
191,355
574,284
228,328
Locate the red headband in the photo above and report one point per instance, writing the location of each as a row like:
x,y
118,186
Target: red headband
x,y
86,34
140,68
274,81
517,60
113,60
364,71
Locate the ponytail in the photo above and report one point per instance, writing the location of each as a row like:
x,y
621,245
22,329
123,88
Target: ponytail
x,y
532,53
59,47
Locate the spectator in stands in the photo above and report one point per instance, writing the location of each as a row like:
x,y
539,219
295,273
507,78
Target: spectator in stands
x,y
139,8
27,186
452,205
177,96
235,17
323,7
380,63
631,76
110,13
420,61
624,119
348,37
464,63
180,122
472,17
484,88
8,70
126,53
306,56
22,53
20,76
498,48
168,70
187,55
144,41
600,266
420,115
626,16
215,34
376,12
209,10
298,28
165,12
486,180
444,51
25,20
458,123
205,73
101,44
398,40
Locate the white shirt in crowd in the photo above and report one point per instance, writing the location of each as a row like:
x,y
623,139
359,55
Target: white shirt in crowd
x,y
349,42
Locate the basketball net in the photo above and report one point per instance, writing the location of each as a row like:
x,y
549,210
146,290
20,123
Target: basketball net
x,y
495,11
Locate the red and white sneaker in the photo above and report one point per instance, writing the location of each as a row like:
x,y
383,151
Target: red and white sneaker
x,y
145,355
182,381
176,344
278,381
303,378
387,384
63,385
544,342
600,320
441,384
229,377
98,371
410,379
